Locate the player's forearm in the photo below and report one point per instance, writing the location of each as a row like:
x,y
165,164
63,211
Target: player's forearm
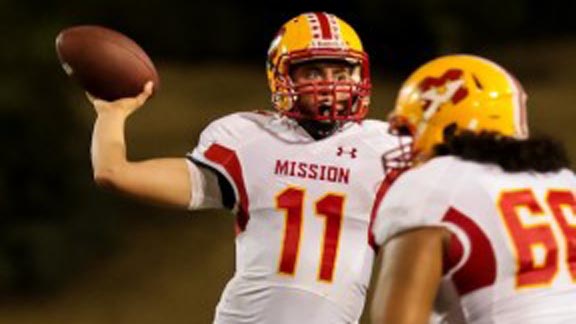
x,y
410,276
108,146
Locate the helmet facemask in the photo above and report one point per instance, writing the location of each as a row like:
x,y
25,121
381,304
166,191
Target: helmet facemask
x,y
343,98
403,155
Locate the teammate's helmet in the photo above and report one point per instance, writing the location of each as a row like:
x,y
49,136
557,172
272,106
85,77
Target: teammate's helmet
x,y
461,91
318,36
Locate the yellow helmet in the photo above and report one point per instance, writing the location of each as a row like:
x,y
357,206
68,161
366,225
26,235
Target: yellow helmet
x,y
463,91
317,36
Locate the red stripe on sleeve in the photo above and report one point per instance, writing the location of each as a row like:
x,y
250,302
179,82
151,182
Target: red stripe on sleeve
x,y
479,270
228,159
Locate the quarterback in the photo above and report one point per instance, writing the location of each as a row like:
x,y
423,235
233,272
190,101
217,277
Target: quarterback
x,y
300,178
482,228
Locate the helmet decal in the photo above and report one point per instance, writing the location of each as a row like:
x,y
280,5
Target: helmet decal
x,y
438,91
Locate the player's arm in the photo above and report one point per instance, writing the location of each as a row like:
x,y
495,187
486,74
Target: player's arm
x,y
409,277
164,181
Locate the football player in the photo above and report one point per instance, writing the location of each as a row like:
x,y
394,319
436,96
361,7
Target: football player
x,y
300,179
482,228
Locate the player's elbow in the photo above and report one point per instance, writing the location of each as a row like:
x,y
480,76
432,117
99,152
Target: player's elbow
x,y
107,178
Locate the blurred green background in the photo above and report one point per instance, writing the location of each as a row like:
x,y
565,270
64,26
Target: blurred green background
x,y
72,253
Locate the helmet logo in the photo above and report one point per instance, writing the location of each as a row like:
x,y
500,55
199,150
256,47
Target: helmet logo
x,y
438,91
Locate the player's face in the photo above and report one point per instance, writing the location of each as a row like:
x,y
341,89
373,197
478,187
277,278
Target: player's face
x,y
322,87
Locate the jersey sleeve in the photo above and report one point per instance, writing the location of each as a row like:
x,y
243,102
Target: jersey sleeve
x,y
418,198
218,151
205,190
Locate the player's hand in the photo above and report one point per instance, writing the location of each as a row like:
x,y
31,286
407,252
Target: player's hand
x,y
124,106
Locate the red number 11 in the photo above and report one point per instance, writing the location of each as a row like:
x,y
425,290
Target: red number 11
x,y
331,207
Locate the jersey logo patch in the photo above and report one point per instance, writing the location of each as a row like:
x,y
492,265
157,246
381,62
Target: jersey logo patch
x,y
350,151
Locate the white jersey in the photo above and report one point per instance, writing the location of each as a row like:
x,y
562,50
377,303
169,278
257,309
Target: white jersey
x,y
512,258
303,212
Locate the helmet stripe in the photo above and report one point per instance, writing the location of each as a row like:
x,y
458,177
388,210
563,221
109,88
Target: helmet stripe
x,y
520,120
521,109
324,25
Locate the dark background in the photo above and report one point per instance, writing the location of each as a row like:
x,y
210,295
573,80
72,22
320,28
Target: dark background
x,y
72,253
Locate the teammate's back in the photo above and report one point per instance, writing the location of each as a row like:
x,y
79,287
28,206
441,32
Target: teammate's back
x,y
485,221
513,253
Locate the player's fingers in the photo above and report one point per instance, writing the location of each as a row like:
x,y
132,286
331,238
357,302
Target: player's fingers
x,y
149,87
145,94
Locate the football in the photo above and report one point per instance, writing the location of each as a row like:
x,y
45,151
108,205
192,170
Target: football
x,y
106,63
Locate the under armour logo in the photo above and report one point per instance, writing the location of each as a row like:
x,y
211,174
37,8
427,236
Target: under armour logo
x,y
351,151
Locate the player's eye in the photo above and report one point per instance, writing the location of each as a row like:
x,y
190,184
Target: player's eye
x,y
313,74
342,75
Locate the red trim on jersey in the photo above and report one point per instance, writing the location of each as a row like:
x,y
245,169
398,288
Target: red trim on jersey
x,y
479,270
324,25
453,254
228,159
382,190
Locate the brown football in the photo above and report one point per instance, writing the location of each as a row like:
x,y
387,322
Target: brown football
x,y
107,64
